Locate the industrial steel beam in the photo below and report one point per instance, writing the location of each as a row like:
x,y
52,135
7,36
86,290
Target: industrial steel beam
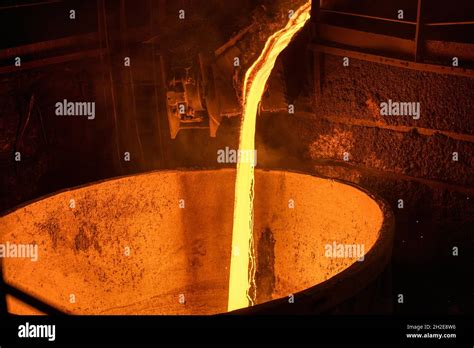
x,y
441,24
90,39
48,2
418,32
352,14
50,61
439,69
385,19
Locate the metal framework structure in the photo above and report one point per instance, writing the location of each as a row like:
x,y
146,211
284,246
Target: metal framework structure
x,y
326,40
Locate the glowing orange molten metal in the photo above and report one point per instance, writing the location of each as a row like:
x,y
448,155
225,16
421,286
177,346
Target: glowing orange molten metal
x,y
241,275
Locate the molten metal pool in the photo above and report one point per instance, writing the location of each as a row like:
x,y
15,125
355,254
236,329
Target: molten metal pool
x,y
160,243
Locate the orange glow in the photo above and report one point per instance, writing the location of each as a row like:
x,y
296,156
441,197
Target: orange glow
x,y
81,250
241,277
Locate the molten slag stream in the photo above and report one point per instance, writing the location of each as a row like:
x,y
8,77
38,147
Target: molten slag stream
x,y
242,263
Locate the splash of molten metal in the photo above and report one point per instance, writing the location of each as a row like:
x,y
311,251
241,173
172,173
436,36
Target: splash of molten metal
x,y
242,264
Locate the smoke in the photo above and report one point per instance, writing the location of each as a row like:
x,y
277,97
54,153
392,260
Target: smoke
x,y
279,142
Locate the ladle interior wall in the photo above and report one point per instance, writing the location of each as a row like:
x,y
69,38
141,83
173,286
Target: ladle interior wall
x,y
160,243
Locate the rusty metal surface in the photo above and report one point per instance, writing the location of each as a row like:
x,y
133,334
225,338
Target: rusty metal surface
x,y
181,253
